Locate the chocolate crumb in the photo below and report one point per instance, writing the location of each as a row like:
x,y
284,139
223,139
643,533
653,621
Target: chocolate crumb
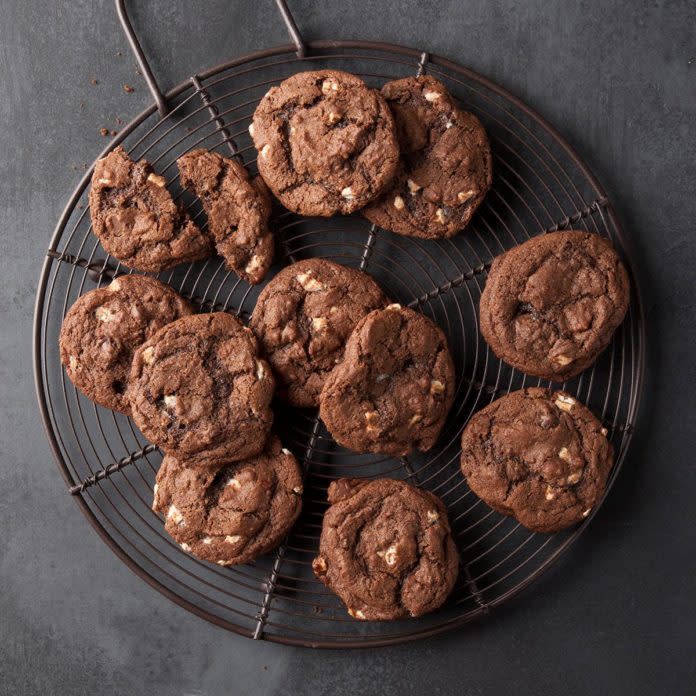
x,y
113,132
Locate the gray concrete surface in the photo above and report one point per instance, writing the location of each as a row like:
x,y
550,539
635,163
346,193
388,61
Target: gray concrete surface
x,y
618,615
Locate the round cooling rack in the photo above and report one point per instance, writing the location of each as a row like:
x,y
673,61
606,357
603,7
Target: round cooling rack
x,y
540,185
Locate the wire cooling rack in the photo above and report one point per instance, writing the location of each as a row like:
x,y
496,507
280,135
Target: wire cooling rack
x,y
540,185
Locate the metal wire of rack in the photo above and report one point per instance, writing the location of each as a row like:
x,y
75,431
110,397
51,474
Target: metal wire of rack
x,y
540,185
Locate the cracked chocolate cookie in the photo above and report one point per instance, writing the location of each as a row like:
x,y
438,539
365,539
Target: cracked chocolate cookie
x,y
386,549
552,304
326,142
393,389
303,318
537,455
446,165
234,512
199,390
102,330
237,207
136,218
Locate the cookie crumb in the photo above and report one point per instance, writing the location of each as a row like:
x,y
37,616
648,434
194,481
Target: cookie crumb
x,y
104,131
128,89
94,81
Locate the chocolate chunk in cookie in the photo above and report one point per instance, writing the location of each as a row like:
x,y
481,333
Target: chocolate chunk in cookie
x,y
199,390
552,304
234,512
446,166
237,207
102,330
386,549
136,218
393,389
537,455
303,318
326,142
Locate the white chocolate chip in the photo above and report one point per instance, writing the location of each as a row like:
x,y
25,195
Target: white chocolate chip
x,y
174,514
223,563
155,489
564,454
372,419
233,539
114,286
234,484
319,565
185,546
565,403
465,195
413,187
550,495
157,180
587,512
207,540
318,323
251,130
394,306
389,555
381,378
260,370
254,264
104,182
433,516
399,202
436,387
347,193
265,151
297,490
448,125
73,362
440,216
105,314
169,400
356,613
562,360
432,96
334,117
308,283
604,432
284,450
416,418
574,477
148,355
329,85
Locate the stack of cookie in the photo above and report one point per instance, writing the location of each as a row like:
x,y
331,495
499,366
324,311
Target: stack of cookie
x,y
325,336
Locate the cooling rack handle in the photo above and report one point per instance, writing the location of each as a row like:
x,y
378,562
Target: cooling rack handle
x,y
292,28
140,57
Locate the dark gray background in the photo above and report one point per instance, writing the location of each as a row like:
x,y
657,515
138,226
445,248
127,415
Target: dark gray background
x,y
617,615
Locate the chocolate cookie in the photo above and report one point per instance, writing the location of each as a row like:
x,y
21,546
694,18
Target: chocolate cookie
x,y
199,390
386,549
537,455
446,166
303,318
102,330
136,218
326,142
238,208
552,304
232,513
393,389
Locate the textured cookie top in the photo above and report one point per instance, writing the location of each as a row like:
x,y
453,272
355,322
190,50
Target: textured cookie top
x,y
393,389
231,513
386,549
102,330
303,318
237,207
552,304
136,218
199,390
538,455
446,165
326,142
